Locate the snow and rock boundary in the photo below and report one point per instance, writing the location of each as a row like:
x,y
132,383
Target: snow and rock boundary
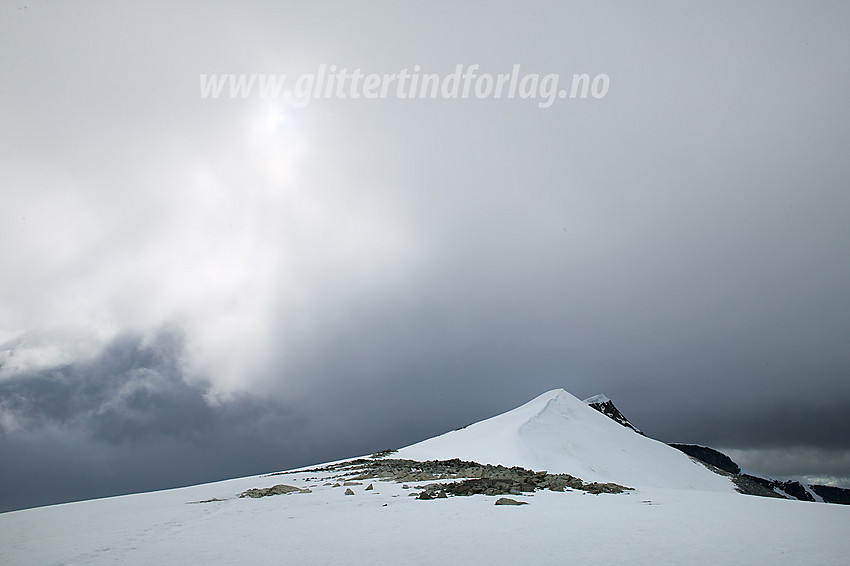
x,y
465,477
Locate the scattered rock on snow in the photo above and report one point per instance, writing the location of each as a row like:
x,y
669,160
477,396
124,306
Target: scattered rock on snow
x,y
274,490
382,454
508,501
469,478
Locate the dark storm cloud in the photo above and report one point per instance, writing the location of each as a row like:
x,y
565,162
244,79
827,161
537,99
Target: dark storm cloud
x,y
128,420
819,423
806,436
130,390
796,463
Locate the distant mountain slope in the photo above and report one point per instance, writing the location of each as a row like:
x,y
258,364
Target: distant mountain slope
x,y
561,434
718,461
832,494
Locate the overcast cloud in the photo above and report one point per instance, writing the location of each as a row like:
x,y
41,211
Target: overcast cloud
x,y
192,289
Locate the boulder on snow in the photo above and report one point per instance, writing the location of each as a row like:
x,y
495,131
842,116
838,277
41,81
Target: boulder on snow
x,y
509,501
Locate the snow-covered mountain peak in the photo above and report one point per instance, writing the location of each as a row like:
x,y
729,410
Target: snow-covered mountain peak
x,y
561,434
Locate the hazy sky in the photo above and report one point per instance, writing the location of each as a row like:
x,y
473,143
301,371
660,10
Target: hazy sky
x,y
195,288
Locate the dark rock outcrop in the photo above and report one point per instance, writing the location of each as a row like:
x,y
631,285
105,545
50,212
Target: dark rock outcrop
x,y
605,406
766,487
832,494
709,456
753,485
795,489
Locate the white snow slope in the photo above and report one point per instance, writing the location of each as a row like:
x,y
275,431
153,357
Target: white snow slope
x,y
561,434
699,521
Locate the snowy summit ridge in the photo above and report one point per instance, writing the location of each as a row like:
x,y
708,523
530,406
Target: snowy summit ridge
x,y
561,434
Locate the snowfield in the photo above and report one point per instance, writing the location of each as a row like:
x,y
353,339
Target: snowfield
x,y
676,515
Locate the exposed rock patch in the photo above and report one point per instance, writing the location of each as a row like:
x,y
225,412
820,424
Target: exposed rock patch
x,y
472,478
456,478
383,453
274,490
